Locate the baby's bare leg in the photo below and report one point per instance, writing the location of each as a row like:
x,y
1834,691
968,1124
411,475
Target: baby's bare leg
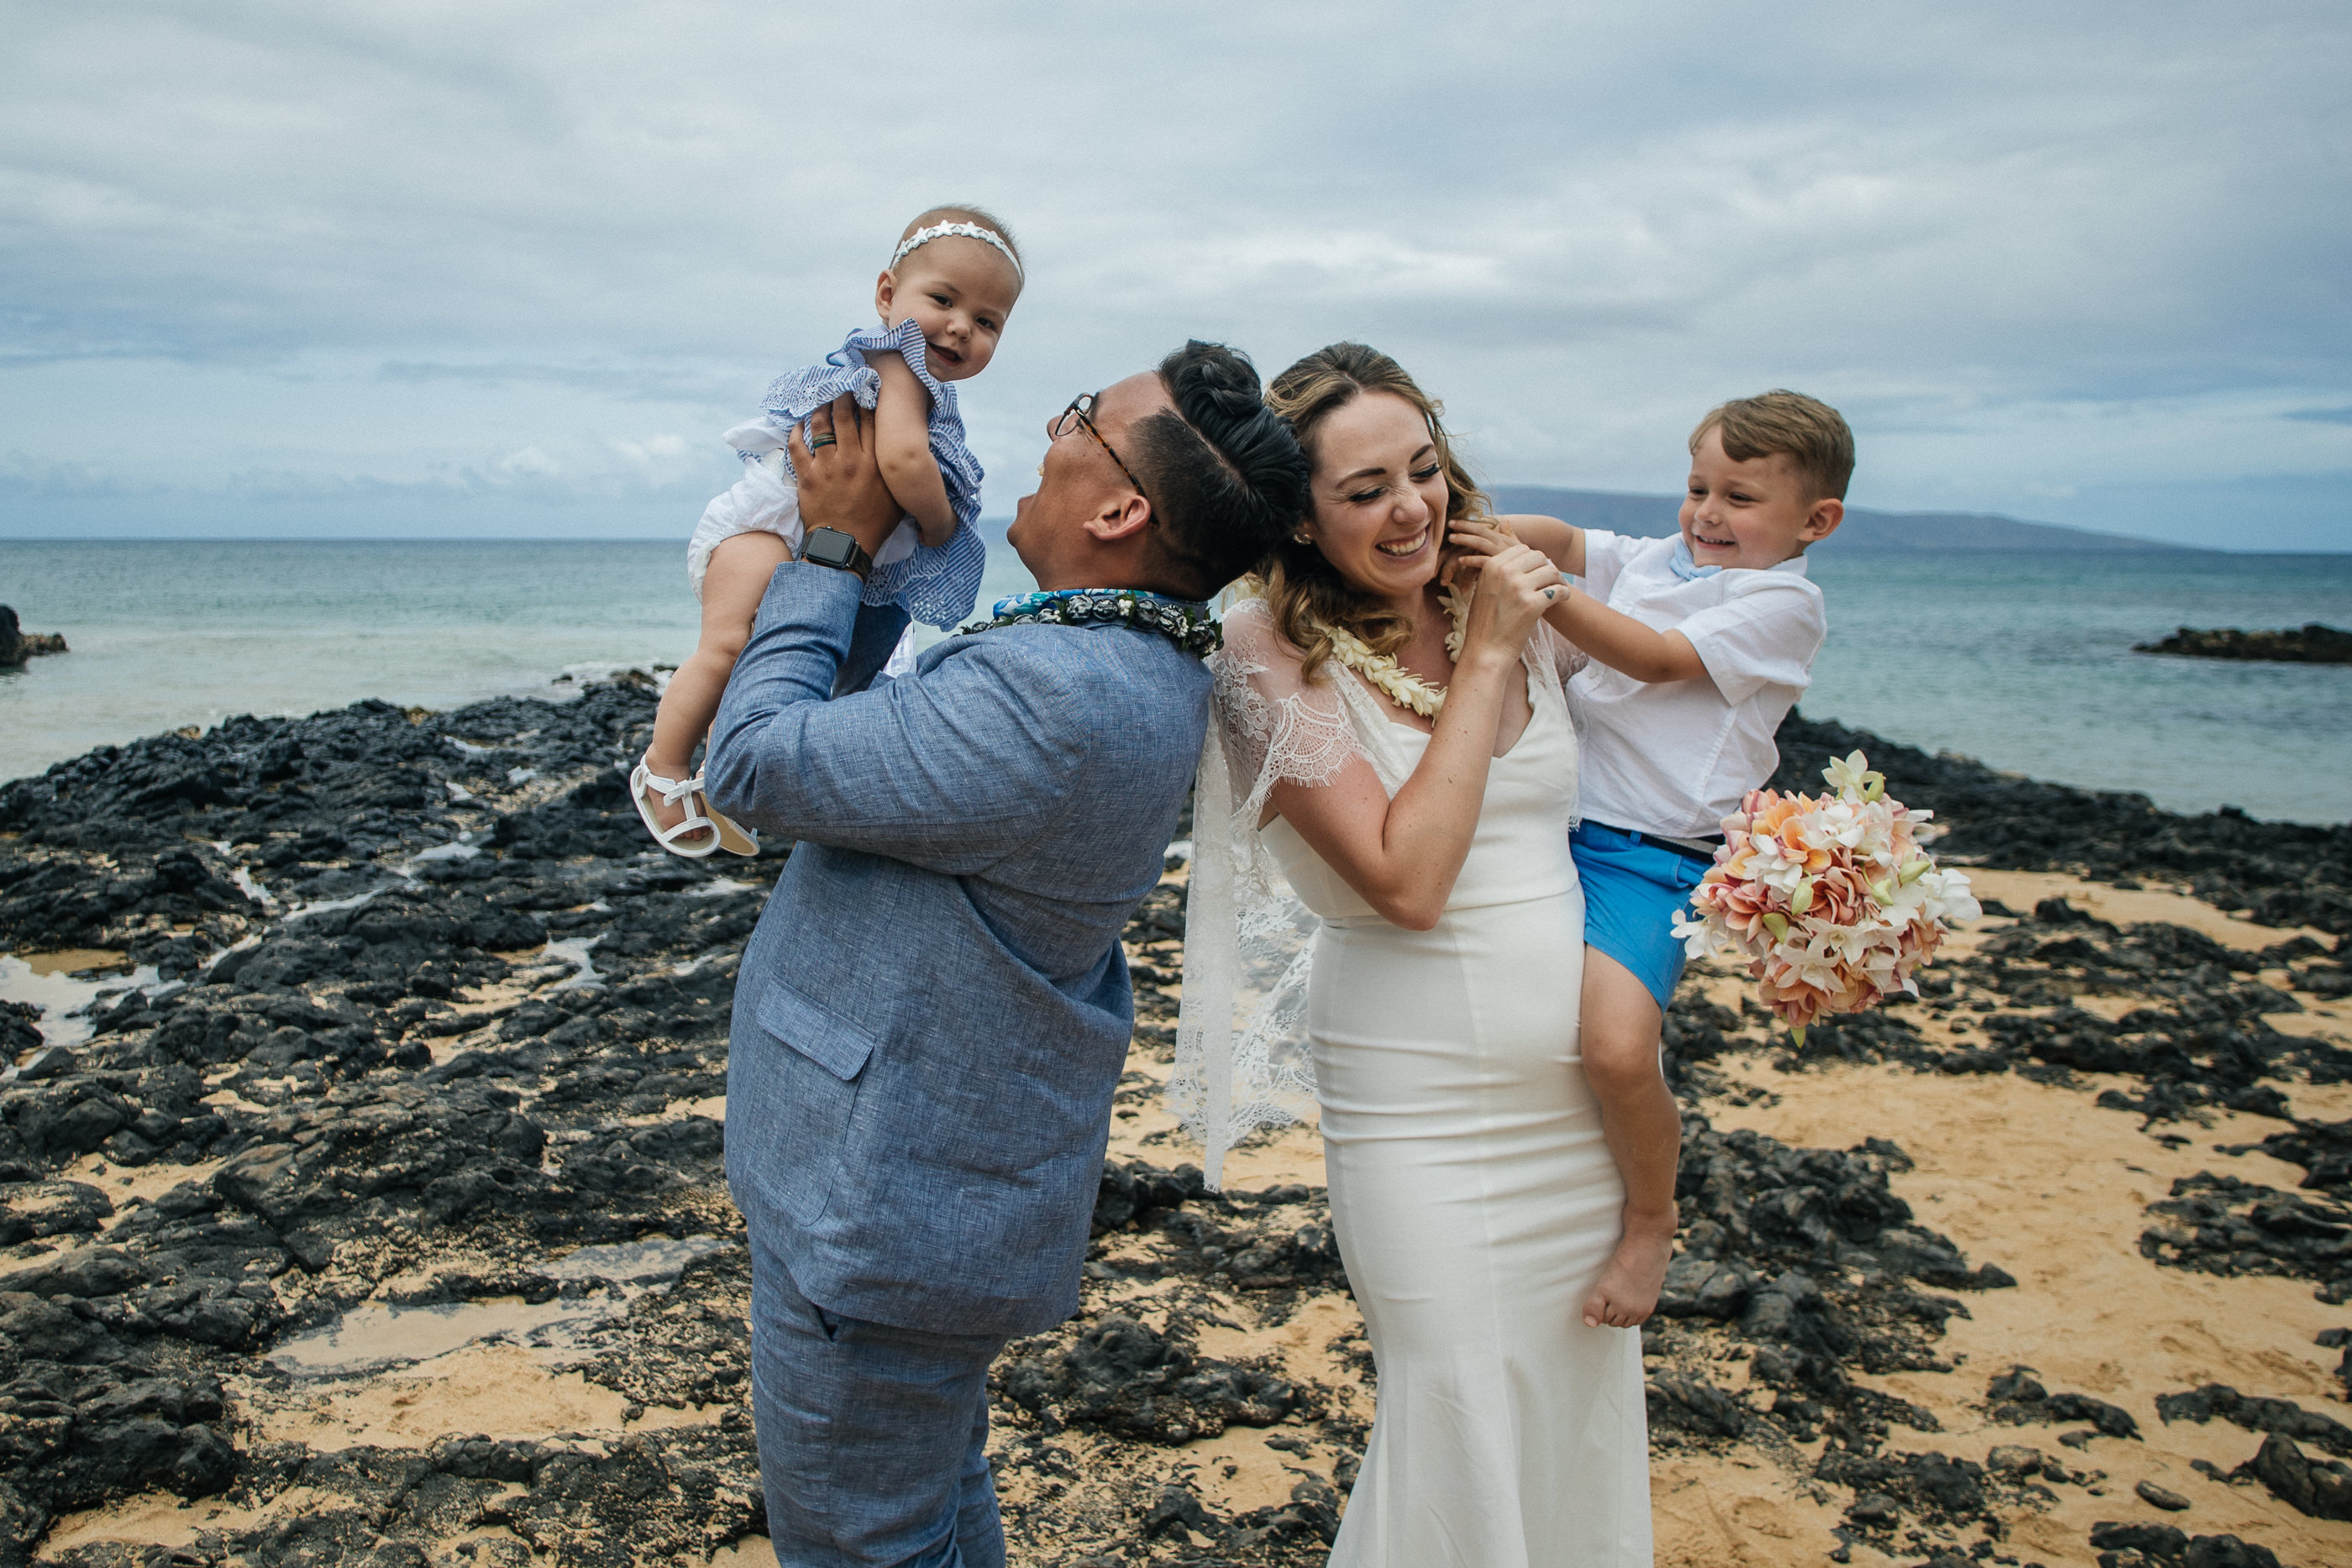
x,y
1644,1132
731,589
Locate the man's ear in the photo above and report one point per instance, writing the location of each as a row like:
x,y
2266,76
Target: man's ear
x,y
886,289
1123,518
1822,520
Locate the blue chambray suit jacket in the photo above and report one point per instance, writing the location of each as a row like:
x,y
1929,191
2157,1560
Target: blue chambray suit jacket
x,y
931,1017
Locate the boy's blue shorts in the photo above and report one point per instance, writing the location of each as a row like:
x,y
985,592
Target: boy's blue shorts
x,y
1632,889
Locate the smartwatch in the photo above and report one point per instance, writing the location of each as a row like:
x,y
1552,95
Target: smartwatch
x,y
831,547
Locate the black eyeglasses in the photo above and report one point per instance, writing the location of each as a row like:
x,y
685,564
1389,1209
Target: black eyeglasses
x,y
1078,413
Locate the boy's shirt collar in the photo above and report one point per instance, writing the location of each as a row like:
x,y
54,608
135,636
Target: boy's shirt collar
x,y
1682,565
1688,570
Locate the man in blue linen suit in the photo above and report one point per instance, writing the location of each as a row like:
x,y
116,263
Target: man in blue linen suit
x,y
931,1017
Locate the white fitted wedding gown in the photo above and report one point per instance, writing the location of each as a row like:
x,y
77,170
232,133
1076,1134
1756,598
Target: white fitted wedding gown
x,y
1475,1199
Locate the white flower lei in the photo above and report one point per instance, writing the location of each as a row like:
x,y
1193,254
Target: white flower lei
x,y
1384,675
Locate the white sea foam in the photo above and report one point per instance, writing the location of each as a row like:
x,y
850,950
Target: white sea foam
x,y
574,950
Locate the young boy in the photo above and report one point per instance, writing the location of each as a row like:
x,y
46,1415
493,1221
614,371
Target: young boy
x,y
1701,643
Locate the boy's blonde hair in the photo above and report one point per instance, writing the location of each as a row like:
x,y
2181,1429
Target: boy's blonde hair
x,y
1814,436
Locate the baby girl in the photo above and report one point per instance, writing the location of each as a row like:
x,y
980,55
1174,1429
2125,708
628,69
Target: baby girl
x,y
943,300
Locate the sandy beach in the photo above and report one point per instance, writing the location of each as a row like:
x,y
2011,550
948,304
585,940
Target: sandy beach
x,y
373,1210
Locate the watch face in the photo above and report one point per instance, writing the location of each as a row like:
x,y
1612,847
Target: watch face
x,y
829,546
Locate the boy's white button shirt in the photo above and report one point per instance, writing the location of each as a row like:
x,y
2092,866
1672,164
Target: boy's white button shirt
x,y
1676,758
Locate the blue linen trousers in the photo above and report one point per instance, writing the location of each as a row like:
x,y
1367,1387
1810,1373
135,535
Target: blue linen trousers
x,y
873,1440
929,1022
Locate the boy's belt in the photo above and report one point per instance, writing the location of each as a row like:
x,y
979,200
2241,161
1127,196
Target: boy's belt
x,y
1702,850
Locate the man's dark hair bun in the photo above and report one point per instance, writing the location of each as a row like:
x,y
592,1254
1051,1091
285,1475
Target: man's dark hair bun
x,y
1226,478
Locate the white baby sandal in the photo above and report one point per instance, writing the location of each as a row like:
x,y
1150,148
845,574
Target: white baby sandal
x,y
735,839
695,835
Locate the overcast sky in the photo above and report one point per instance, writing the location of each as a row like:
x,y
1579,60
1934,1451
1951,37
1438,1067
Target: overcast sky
x,y
491,267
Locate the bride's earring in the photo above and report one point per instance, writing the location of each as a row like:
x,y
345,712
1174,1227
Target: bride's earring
x,y
1301,538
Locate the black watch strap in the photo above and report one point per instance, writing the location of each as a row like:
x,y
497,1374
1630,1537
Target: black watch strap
x,y
831,547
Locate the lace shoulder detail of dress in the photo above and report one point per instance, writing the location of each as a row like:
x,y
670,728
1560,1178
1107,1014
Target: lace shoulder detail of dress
x,y
1555,652
1279,725
1241,1061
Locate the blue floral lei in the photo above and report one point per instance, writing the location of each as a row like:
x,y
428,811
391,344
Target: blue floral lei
x,y
1183,621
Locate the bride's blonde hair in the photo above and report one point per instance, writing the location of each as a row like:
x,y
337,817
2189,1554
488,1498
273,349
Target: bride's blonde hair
x,y
1302,592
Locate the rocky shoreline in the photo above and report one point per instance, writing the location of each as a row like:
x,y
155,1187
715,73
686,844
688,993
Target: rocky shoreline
x,y
17,645
2311,643
374,1210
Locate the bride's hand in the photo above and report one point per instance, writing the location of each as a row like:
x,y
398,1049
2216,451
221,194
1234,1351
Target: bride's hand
x,y
1511,585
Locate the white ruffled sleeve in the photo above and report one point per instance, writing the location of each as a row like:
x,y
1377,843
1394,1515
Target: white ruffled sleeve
x,y
1241,1061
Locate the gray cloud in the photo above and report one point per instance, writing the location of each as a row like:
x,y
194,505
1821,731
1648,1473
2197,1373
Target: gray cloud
x,y
2039,255
667,383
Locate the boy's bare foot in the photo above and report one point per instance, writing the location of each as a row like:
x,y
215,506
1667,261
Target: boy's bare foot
x,y
1628,1289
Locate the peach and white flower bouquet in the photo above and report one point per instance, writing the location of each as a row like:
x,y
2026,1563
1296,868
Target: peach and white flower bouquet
x,y
1829,899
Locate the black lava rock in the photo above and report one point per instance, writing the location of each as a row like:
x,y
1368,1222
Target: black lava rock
x,y
1930,1485
2221,1224
16,644
2285,873
2319,1488
1125,1377
2258,1414
2017,1398
363,1030
1695,1407
2311,643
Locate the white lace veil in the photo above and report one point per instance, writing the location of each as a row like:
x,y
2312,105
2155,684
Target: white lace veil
x,y
1241,1061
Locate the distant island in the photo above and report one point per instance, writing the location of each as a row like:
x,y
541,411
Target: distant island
x,y
1862,529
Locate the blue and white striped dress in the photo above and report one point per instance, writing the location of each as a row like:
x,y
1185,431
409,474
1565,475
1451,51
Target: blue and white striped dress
x,y
936,587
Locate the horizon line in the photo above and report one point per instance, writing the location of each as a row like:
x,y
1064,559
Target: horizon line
x,y
2158,546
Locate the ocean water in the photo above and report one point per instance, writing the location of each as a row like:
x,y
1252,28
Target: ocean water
x,y
167,633
2024,661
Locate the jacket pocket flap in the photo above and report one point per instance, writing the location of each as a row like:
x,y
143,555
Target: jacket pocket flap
x,y
834,1044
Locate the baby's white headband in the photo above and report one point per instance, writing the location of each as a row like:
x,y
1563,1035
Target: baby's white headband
x,y
969,231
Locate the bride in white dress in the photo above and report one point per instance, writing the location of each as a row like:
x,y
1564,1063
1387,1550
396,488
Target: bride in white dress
x,y
1419,809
